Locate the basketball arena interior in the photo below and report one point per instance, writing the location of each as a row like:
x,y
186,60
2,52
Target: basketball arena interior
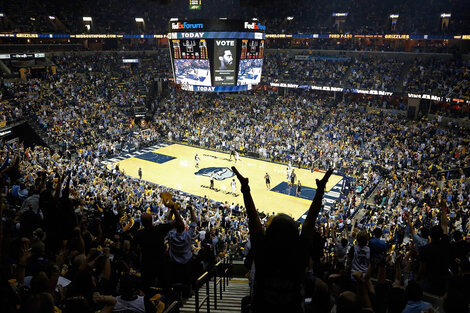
x,y
235,156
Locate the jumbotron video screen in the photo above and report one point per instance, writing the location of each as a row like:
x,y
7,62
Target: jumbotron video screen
x,y
216,55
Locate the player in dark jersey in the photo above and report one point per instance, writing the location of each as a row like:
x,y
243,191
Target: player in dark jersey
x,y
212,182
292,178
299,189
268,180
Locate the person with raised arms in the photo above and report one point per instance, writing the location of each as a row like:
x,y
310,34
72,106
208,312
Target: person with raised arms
x,y
280,253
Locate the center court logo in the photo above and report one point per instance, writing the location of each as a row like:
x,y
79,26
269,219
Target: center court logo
x,y
220,173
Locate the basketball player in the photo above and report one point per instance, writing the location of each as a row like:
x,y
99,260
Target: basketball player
x,y
140,173
212,181
299,189
237,157
292,177
196,158
234,187
232,153
268,181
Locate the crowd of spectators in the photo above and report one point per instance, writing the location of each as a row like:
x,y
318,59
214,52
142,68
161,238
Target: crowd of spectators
x,y
84,237
384,151
366,45
439,76
318,70
9,113
376,74
77,235
99,212
314,70
348,72
92,97
442,77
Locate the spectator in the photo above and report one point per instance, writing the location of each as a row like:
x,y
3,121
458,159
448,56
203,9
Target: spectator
x,y
435,258
279,253
359,255
414,294
180,241
129,299
151,242
378,247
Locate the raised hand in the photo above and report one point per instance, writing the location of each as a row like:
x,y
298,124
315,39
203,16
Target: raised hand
x,y
243,180
168,202
309,223
254,223
321,184
25,256
166,198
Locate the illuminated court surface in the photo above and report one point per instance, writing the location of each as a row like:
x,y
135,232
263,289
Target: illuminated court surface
x,y
174,166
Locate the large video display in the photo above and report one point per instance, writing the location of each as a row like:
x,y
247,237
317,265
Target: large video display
x,y
192,72
216,55
249,72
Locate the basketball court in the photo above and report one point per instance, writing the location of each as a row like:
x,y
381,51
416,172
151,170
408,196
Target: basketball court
x,y
173,165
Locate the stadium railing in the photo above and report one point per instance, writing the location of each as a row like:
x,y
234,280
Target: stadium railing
x,y
220,277
172,308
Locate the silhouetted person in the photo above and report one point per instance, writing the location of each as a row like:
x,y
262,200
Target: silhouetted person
x,y
280,253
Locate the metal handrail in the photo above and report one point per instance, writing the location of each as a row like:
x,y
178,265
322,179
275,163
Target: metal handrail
x,y
203,275
217,281
203,279
171,307
221,279
227,264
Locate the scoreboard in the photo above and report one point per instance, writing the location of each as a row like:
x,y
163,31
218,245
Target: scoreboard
x,y
216,55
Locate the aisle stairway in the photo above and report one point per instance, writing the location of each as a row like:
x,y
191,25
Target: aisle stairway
x,y
404,71
231,297
42,134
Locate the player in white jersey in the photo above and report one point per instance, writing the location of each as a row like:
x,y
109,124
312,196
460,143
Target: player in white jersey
x,y
234,187
196,158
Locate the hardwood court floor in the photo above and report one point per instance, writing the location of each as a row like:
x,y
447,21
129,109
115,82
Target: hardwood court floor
x,y
174,166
